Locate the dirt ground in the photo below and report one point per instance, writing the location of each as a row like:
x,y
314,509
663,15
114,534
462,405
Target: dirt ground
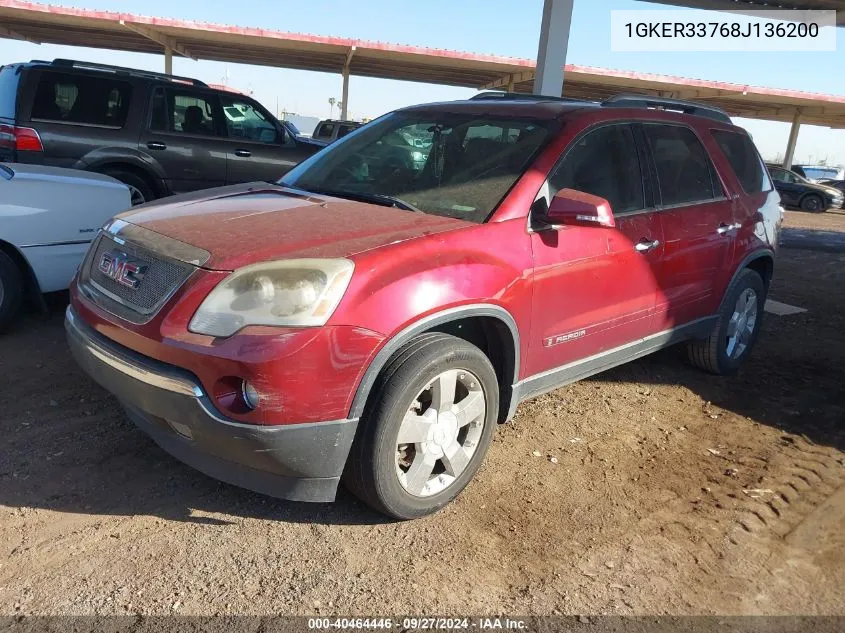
x,y
672,492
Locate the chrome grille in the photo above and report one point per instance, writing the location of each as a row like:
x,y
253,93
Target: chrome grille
x,y
163,277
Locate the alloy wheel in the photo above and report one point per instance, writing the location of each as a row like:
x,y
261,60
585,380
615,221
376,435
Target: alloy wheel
x,y
440,433
742,323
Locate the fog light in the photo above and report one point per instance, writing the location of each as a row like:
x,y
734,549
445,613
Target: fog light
x,y
250,395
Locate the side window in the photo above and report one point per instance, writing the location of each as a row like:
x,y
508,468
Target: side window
x,y
344,130
744,159
684,172
603,163
81,99
246,121
325,130
779,175
184,111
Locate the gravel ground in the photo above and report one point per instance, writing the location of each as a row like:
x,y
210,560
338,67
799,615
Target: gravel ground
x,y
670,492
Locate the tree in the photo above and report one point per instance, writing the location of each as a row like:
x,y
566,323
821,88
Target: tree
x,y
332,101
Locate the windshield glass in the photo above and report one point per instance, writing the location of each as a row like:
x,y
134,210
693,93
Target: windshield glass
x,y
455,165
816,173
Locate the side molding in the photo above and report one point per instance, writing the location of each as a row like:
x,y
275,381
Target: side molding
x,y
426,323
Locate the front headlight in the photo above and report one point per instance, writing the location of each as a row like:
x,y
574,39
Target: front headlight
x,y
294,293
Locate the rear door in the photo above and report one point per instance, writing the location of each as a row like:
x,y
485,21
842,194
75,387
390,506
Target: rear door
x,y
697,219
595,288
186,136
257,146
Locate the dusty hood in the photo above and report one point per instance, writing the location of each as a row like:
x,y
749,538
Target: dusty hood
x,y
246,224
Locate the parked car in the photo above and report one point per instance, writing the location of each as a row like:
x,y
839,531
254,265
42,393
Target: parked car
x,y
816,173
48,217
157,133
796,191
836,184
328,131
377,326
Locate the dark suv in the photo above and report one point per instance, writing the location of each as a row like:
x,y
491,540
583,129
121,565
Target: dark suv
x,y
159,134
373,320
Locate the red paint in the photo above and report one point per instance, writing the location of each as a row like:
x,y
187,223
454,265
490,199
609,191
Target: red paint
x,y
573,293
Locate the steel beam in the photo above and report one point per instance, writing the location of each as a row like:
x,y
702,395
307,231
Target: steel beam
x,y
551,55
793,140
159,38
344,105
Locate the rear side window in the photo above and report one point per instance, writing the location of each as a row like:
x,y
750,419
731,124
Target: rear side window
x,y
8,91
81,99
603,163
744,159
684,172
325,130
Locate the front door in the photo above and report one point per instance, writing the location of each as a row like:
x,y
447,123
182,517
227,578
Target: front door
x,y
698,225
594,287
788,186
186,136
257,146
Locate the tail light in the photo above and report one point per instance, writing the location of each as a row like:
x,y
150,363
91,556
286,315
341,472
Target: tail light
x,y
20,138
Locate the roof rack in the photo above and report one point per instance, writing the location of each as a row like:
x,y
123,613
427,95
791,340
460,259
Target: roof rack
x,y
495,95
664,103
72,63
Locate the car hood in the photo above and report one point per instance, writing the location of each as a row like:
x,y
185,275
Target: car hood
x,y
246,224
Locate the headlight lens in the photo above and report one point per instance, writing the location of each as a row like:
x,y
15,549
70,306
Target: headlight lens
x,y
294,293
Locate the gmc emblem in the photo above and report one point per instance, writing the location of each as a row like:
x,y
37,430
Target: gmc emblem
x,y
122,269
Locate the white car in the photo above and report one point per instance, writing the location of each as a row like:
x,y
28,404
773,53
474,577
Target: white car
x,y
48,217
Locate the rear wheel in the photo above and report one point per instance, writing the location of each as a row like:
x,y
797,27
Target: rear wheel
x,y
11,290
734,334
812,203
427,428
139,188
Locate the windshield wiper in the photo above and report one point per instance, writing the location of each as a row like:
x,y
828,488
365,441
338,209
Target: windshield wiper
x,y
377,198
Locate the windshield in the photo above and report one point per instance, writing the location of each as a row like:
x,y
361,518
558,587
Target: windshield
x,y
455,165
816,173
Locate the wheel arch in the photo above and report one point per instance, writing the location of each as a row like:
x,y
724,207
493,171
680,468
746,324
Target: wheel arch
x,y
32,289
762,262
490,327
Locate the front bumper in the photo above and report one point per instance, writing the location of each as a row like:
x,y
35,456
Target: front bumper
x,y
300,462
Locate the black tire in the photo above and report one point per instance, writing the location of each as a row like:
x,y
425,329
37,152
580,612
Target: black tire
x,y
711,354
371,470
140,189
812,203
11,290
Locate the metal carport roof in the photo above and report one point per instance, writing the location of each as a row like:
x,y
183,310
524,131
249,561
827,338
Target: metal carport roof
x,y
41,23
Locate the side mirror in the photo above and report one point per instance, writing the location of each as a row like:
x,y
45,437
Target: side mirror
x,y
578,208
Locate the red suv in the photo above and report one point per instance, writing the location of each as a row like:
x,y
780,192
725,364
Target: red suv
x,y
374,315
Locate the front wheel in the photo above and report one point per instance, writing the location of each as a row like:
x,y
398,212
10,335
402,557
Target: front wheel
x,y
427,428
734,334
812,203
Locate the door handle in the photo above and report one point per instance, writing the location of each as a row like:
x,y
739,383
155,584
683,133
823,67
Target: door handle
x,y
243,153
646,245
727,228
155,145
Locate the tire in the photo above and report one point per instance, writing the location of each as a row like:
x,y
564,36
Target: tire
x,y
138,186
720,353
388,476
812,203
11,290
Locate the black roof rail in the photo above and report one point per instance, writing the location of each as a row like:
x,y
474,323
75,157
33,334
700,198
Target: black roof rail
x,y
676,105
495,95
72,63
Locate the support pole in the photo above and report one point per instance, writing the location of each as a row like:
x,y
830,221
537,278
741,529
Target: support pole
x,y
345,98
551,55
793,140
510,84
168,61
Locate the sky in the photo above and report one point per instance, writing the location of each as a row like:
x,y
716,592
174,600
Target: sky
x,y
500,27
